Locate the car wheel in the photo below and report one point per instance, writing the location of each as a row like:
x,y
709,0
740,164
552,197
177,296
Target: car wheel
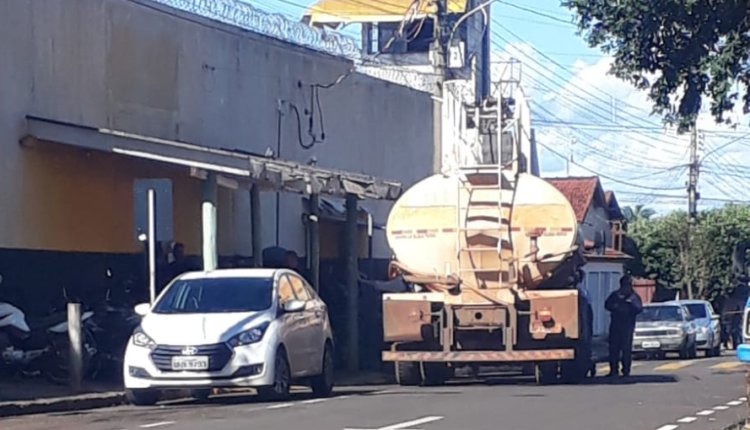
x,y
322,385
142,397
201,395
693,351
281,380
716,351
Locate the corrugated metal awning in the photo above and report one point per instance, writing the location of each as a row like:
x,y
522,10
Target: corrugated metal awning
x,y
233,167
336,12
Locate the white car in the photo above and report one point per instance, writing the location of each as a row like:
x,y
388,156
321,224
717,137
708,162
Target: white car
x,y
260,328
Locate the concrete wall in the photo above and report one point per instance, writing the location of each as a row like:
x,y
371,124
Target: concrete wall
x,y
597,220
142,68
134,66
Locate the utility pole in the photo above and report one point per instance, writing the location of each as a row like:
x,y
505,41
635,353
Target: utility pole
x,y
692,190
438,58
693,177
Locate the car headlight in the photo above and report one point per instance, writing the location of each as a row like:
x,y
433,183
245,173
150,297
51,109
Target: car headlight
x,y
140,338
248,337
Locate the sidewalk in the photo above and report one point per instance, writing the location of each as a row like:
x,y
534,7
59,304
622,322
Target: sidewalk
x,y
36,396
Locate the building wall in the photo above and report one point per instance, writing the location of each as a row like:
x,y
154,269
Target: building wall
x,y
143,68
597,220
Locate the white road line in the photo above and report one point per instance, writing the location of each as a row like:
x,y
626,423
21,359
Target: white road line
x,y
742,399
687,420
280,406
408,424
734,403
312,401
159,424
721,408
668,427
705,413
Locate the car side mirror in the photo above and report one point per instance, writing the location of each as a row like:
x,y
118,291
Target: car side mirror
x,y
294,306
714,318
142,309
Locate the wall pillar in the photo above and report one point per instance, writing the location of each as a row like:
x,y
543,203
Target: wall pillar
x,y
256,226
208,211
314,225
352,282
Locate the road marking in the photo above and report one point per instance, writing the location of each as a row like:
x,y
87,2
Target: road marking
x,y
673,366
159,424
726,365
687,420
668,427
734,403
705,413
280,406
721,408
405,425
742,399
312,401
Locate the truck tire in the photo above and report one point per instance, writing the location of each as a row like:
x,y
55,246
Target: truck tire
x,y
435,373
575,371
407,373
546,373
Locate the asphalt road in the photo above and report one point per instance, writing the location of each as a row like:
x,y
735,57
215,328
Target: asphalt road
x,y
701,394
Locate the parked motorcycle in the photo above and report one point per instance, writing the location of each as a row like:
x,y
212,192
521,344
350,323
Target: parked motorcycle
x,y
112,324
41,345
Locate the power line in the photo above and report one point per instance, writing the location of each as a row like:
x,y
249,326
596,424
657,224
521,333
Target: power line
x,y
645,187
538,13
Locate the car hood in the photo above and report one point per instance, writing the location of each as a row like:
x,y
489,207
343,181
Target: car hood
x,y
658,324
199,329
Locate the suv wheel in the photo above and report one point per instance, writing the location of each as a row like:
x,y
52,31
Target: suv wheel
x,y
322,385
281,380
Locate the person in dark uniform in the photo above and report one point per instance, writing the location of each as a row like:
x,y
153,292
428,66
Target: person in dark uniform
x,y
624,305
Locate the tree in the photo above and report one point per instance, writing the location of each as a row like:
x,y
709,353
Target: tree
x,y
700,266
637,213
680,50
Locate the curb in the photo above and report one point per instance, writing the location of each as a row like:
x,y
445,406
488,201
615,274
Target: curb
x,y
62,404
73,403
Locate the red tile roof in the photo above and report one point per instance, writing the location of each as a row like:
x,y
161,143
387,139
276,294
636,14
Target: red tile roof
x,y
579,191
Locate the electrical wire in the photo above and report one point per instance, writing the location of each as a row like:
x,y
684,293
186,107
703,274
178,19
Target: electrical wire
x,y
645,187
537,13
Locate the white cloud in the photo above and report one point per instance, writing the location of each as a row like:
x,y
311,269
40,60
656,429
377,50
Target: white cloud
x,y
626,143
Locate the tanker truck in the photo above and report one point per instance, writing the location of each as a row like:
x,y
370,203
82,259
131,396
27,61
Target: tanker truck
x,y
490,262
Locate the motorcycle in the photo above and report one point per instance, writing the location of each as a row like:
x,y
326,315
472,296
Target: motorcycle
x,y
112,325
40,345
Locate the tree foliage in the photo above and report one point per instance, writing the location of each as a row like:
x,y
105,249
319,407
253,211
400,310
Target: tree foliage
x,y
636,213
679,50
701,264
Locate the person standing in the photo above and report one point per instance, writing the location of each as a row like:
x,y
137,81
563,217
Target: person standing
x,y
624,305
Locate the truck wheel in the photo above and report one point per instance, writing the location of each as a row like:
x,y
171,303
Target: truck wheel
x,y
546,373
407,373
435,373
575,371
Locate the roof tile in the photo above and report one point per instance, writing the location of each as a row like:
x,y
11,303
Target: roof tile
x,y
578,191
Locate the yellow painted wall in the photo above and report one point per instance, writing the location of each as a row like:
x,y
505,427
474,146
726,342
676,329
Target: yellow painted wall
x,y
75,200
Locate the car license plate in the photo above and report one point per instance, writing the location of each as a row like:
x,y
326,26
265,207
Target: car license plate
x,y
190,363
650,344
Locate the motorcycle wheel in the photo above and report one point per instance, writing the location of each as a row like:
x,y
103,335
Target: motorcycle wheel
x,y
57,368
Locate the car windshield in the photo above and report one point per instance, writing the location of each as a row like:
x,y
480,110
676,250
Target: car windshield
x,y
660,313
696,311
216,295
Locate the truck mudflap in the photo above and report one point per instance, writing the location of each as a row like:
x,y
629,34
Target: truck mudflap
x,y
480,356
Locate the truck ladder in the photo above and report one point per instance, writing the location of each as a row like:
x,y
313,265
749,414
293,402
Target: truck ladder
x,y
485,251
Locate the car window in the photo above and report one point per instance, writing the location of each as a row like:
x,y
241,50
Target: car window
x,y
216,295
696,311
286,292
661,313
298,285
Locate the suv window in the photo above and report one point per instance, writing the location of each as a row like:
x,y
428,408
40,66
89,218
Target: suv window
x,y
286,292
300,290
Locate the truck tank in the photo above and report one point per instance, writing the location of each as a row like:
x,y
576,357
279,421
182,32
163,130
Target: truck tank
x,y
494,261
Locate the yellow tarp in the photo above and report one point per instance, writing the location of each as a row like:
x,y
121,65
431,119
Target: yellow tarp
x,y
348,11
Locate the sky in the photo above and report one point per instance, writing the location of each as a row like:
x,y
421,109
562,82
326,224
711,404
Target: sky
x,y
589,123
